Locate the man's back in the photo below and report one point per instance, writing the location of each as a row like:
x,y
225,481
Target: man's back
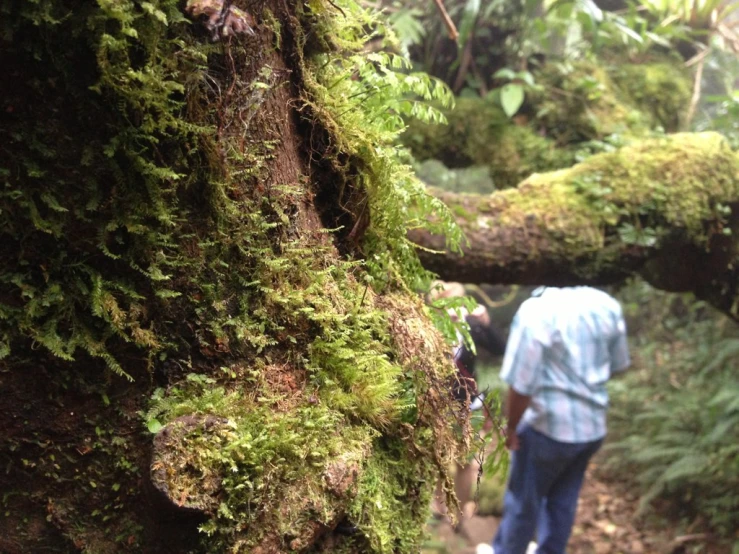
x,y
565,344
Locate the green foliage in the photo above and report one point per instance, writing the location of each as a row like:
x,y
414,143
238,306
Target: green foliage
x,y
479,133
578,102
363,99
486,29
726,116
580,28
581,108
700,15
511,95
675,415
407,26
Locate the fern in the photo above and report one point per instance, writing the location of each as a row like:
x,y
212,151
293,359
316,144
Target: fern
x,y
682,446
365,97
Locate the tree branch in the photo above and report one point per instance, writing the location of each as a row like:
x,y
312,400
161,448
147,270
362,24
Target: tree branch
x,y
451,28
667,209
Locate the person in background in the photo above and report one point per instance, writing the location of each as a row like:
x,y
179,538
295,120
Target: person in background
x,y
486,336
564,346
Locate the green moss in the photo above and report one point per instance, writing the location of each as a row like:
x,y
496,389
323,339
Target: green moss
x,y
647,189
578,102
520,152
461,211
660,90
142,223
479,133
225,451
336,443
389,509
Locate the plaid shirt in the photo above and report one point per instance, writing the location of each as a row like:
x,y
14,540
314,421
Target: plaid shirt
x,y
564,345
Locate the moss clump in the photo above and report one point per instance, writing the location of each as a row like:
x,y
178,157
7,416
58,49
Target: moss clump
x,y
646,189
578,102
363,434
479,133
225,451
661,90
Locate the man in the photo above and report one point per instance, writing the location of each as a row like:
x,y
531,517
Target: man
x,y
564,345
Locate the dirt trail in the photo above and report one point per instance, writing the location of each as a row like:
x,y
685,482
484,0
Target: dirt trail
x,y
606,524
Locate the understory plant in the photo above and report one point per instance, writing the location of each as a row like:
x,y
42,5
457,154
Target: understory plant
x,y
675,415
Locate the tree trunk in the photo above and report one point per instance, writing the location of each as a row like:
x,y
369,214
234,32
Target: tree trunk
x,y
183,344
666,209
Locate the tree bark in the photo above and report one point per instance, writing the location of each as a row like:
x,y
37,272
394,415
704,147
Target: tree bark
x,y
665,209
183,342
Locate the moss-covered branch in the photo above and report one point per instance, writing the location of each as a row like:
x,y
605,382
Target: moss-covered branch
x,y
664,208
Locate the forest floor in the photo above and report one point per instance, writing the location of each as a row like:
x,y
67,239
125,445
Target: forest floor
x,y
607,523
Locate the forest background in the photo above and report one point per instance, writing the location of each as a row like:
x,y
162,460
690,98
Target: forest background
x,y
541,86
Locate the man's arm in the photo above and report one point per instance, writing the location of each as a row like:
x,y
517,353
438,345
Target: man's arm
x,y
522,365
517,404
619,348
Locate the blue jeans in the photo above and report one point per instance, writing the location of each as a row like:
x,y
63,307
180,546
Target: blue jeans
x,y
545,480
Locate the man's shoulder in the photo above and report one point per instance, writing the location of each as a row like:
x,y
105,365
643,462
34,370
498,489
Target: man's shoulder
x,y
594,300
606,302
549,306
534,306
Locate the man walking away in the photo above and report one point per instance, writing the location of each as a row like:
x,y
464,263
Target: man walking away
x,y
564,345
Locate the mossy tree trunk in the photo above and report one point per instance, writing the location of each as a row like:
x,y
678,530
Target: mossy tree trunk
x,y
666,209
183,343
